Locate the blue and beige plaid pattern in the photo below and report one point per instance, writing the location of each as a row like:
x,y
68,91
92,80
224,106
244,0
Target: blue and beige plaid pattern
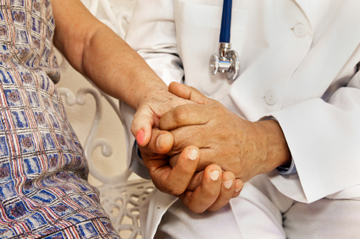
x,y
43,171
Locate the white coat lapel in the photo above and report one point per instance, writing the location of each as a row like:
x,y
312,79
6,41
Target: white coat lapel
x,y
306,7
326,59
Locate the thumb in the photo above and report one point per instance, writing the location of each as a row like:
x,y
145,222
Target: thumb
x,y
142,124
161,142
188,92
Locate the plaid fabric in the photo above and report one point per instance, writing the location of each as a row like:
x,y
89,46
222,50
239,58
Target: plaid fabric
x,y
43,187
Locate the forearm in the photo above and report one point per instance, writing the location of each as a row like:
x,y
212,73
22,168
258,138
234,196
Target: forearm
x,y
98,53
118,70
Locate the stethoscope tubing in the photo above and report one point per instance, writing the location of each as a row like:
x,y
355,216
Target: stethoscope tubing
x,y
226,22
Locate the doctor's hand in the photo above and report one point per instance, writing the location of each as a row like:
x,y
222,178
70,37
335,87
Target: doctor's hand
x,y
210,189
237,145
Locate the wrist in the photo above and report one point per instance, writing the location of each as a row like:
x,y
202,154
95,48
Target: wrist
x,y
150,93
276,148
144,90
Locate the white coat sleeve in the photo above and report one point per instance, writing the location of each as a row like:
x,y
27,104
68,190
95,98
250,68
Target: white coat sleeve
x,y
323,136
152,34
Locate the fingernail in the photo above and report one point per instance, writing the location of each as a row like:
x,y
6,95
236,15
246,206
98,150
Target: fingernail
x,y
192,154
159,141
214,175
228,184
237,189
140,137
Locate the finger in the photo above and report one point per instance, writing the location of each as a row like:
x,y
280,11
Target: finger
x,y
226,191
195,181
175,180
142,124
161,142
196,135
205,159
173,160
207,193
183,115
239,184
206,155
188,92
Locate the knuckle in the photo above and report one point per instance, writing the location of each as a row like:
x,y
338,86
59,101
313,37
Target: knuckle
x,y
197,209
175,191
168,188
185,170
180,115
211,194
184,139
213,209
177,146
236,194
216,207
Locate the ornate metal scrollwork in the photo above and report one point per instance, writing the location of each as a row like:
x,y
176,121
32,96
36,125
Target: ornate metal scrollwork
x,y
119,196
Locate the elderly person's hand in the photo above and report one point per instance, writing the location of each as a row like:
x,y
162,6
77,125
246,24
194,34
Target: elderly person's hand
x,y
113,67
152,105
237,145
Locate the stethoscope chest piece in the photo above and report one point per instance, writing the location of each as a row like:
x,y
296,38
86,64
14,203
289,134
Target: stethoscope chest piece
x,y
227,61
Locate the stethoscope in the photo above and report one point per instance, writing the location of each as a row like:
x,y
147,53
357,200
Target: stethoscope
x,y
227,61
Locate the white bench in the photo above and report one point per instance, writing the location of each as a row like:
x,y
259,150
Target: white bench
x,y
121,193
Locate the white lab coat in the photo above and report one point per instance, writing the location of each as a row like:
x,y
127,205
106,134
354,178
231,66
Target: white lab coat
x,y
297,64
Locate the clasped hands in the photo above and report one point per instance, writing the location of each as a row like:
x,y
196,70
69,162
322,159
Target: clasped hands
x,y
203,153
